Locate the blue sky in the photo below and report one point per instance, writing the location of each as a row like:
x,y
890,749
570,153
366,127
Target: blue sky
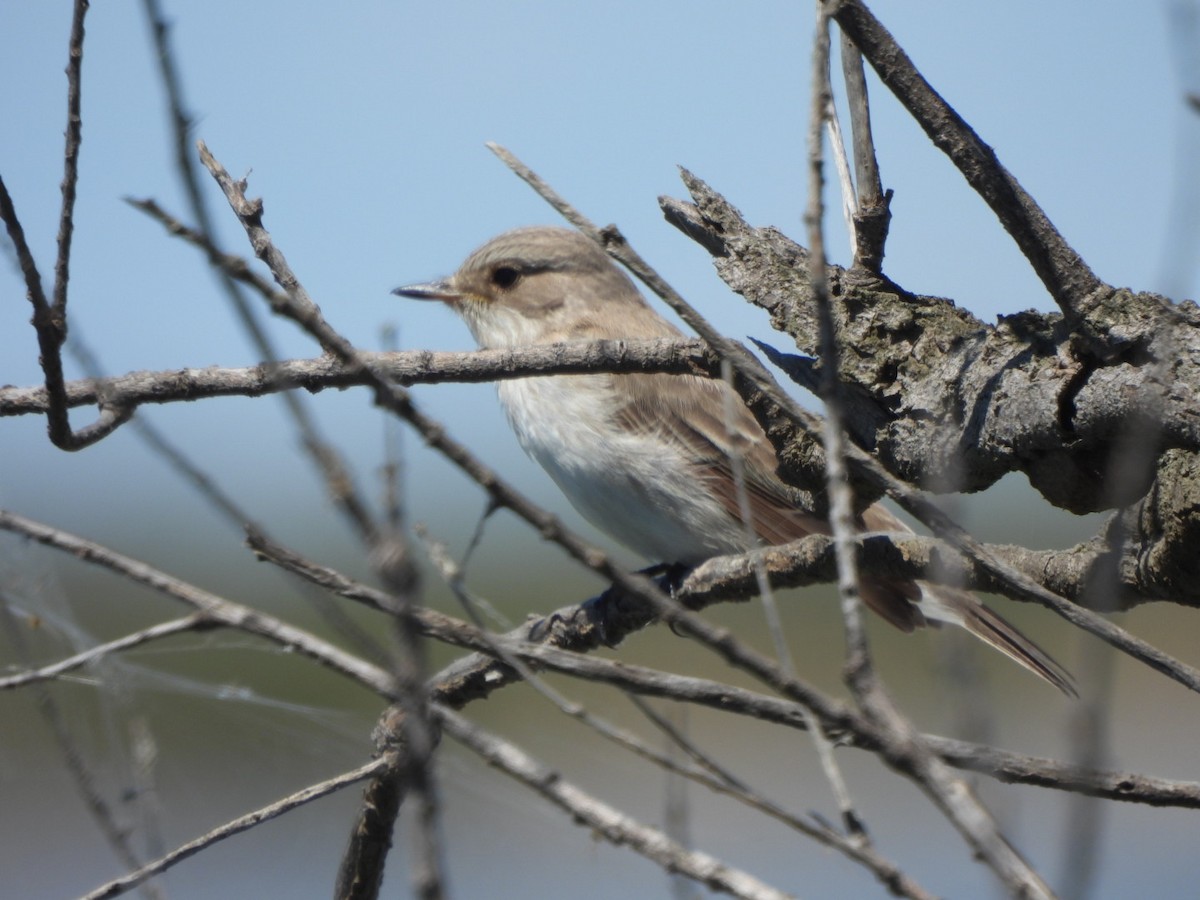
x,y
362,126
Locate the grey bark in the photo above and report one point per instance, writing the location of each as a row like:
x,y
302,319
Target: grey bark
x,y
948,401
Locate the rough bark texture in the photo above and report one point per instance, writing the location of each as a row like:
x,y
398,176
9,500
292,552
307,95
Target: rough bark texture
x,y
953,403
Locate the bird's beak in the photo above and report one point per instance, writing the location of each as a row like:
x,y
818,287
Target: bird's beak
x,y
432,290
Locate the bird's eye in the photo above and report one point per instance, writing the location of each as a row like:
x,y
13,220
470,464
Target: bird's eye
x,y
505,277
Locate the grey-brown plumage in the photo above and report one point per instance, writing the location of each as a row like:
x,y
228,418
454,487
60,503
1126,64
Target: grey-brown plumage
x,y
649,458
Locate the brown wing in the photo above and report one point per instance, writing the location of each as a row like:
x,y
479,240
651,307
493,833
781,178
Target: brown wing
x,y
709,421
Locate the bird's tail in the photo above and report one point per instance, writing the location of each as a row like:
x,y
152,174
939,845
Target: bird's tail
x,y
945,604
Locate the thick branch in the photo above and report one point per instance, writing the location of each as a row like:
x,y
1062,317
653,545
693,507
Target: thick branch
x,y
1068,573
929,386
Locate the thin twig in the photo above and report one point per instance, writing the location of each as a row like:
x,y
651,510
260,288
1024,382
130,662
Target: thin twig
x,y
404,367
117,835
841,163
94,654
847,725
1064,273
74,137
118,886
604,820
872,216
50,319
215,609
327,460
416,736
860,673
392,470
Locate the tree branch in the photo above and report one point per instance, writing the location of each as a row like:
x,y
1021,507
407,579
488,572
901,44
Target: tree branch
x,y
127,882
402,367
604,820
50,319
929,386
1067,277
558,640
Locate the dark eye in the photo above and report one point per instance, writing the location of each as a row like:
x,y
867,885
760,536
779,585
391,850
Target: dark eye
x,y
505,277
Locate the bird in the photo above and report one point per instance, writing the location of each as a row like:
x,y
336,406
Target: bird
x,y
650,458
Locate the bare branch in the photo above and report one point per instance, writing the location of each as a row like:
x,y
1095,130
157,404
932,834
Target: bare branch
x,y
74,137
849,726
193,622
50,319
557,640
51,330
243,823
402,367
930,386
604,820
1067,277
327,460
213,608
874,215
859,668
581,627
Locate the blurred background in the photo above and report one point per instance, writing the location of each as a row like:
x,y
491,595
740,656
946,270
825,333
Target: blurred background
x,y
362,126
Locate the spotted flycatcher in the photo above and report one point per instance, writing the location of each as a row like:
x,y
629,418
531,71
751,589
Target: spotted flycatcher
x,y
649,459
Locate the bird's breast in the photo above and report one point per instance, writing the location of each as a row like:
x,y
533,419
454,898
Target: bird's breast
x,y
637,486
